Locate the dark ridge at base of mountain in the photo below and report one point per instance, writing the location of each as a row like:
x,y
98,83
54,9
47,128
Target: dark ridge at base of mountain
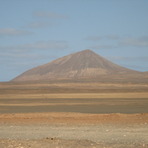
x,y
82,65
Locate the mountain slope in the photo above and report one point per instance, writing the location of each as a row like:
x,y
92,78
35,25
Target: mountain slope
x,y
84,64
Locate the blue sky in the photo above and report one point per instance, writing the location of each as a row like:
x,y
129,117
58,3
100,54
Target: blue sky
x,y
35,32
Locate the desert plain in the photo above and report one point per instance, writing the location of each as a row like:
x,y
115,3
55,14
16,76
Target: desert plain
x,y
73,114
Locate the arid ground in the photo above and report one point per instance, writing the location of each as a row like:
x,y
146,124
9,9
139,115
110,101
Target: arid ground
x,y
70,115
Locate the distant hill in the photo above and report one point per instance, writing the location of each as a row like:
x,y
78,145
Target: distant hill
x,y
81,65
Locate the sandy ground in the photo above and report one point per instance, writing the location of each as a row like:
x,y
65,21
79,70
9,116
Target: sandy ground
x,y
74,115
70,130
73,136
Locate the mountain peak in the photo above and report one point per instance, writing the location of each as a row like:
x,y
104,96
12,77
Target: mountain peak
x,y
89,54
86,51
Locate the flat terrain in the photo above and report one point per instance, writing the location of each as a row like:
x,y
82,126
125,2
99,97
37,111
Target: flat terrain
x,y
69,115
70,130
72,136
80,105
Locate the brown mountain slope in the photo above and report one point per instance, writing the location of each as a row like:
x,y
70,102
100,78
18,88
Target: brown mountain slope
x,y
80,65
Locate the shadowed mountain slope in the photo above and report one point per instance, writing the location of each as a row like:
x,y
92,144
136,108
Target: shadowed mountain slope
x,y
80,65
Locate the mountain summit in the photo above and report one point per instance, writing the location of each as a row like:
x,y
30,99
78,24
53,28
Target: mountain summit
x,y
80,65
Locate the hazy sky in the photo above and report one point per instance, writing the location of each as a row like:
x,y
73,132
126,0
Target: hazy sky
x,y
34,32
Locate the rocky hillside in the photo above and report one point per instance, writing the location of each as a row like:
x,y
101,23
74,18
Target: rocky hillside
x,y
80,65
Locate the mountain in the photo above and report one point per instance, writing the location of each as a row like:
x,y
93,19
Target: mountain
x,y
81,65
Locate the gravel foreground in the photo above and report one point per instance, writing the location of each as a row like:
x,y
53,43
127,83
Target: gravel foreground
x,y
73,136
76,136
61,143
60,131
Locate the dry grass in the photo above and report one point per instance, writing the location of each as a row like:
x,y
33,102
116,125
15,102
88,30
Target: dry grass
x,y
74,118
71,87
75,95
